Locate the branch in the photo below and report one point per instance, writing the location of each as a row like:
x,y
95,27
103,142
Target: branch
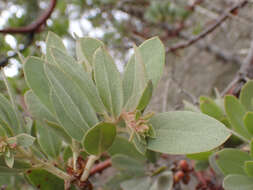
x,y
101,166
4,60
210,29
30,30
245,72
36,25
217,51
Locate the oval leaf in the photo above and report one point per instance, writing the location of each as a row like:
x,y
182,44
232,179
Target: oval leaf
x,y
80,77
238,182
44,180
183,132
99,138
128,164
55,41
209,107
37,80
108,81
121,145
134,81
48,140
85,49
248,165
72,99
136,184
163,182
248,122
235,113
231,161
246,96
146,97
154,62
8,117
25,140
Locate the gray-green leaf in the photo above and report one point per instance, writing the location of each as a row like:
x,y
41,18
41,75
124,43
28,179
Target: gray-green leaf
x,y
235,113
71,98
48,140
231,161
53,40
37,80
184,132
246,96
108,81
70,67
25,140
99,138
238,182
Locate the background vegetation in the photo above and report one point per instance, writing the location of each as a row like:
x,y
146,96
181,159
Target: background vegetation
x,y
208,43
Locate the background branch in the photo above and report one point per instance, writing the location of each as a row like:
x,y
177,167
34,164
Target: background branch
x,y
29,31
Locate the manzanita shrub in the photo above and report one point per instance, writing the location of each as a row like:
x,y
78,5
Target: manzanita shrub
x,y
234,162
81,110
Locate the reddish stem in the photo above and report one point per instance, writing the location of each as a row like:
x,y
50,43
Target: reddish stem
x,y
101,166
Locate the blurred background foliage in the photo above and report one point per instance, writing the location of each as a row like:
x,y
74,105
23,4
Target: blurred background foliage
x,y
120,23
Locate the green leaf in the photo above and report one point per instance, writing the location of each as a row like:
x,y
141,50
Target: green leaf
x,y
8,116
85,49
44,180
128,165
71,99
9,159
99,138
48,140
114,182
136,184
18,167
154,62
200,156
231,161
238,182
163,182
73,130
184,132
248,122
121,145
251,148
140,143
249,167
2,132
246,96
209,107
53,41
146,97
59,131
70,67
6,127
25,140
134,81
36,108
108,81
235,113
67,153
201,165
37,80
12,97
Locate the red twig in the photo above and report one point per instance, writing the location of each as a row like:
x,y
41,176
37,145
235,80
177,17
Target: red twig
x,y
35,26
210,29
101,166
